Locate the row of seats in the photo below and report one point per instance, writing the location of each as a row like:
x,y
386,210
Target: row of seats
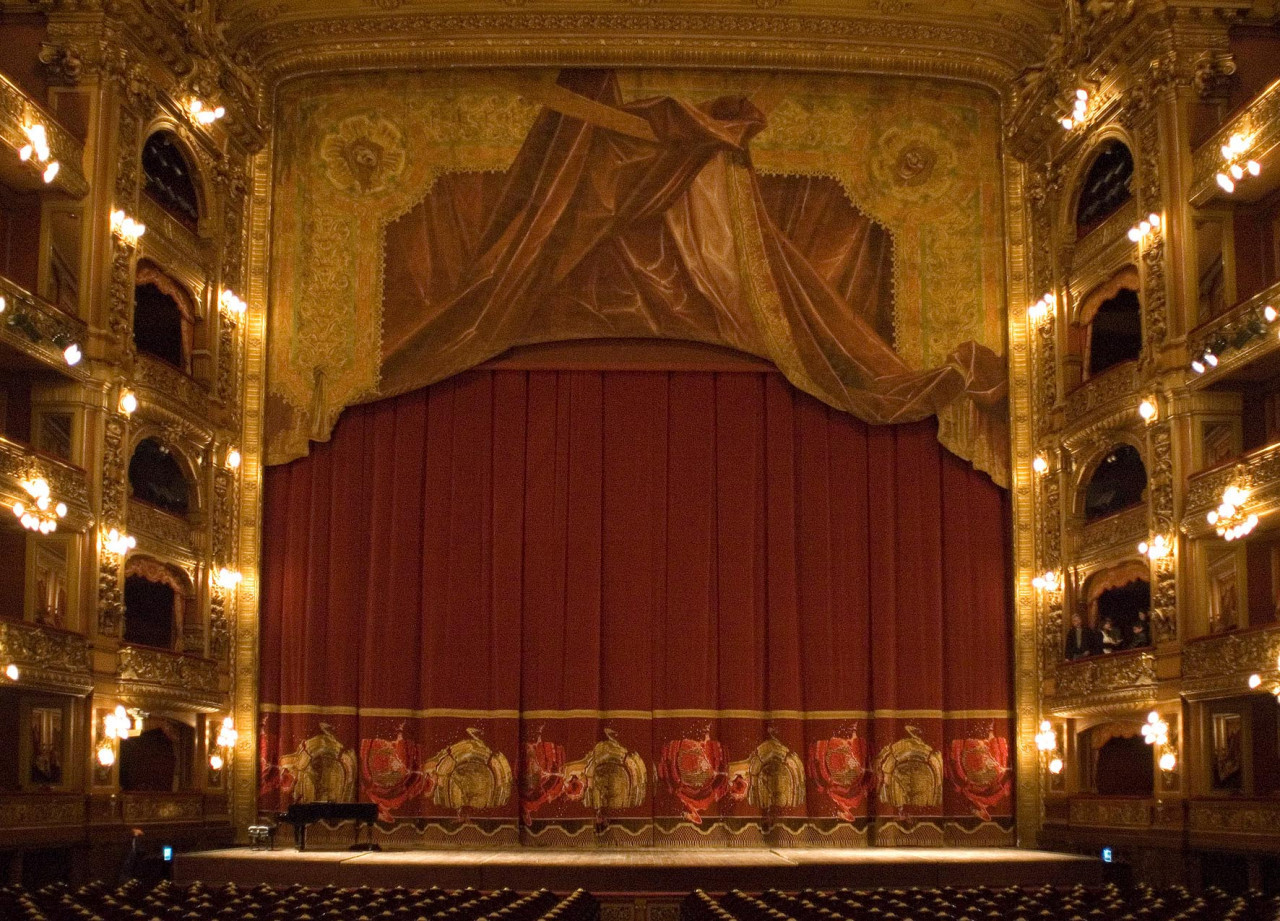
x,y
135,901
1046,903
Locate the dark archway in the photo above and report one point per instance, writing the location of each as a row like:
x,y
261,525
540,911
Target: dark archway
x,y
148,612
170,180
156,478
1115,333
149,763
1125,766
1106,186
157,325
1118,483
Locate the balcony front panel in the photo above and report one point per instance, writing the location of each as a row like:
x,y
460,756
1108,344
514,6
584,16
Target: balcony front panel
x,y
1216,666
1258,473
1102,683
37,329
1259,122
50,659
162,678
1102,391
17,112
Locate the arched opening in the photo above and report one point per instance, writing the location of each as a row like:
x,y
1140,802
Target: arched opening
x,y
163,317
1119,605
148,612
1119,482
1115,332
152,762
170,180
1118,761
156,478
1106,186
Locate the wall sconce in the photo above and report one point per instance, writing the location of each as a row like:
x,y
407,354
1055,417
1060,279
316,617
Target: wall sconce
x,y
1237,167
71,353
1155,731
11,672
228,579
1156,549
233,459
36,150
1079,108
126,228
232,304
204,114
128,402
1229,518
1141,230
1041,309
1148,410
117,543
1272,684
43,513
1047,745
1039,464
226,743
1049,581
116,726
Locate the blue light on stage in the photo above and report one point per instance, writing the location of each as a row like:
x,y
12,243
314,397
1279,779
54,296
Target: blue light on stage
x,y
1106,855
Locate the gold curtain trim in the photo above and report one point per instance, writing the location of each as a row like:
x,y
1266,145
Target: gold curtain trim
x,y
454,713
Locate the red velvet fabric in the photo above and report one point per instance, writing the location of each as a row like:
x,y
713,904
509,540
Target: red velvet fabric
x,y
644,596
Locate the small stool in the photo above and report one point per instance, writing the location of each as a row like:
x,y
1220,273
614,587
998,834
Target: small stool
x,y
262,837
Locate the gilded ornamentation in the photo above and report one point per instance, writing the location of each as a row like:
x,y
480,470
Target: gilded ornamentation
x,y
910,773
364,155
1160,490
1100,681
110,593
159,674
469,775
1231,655
17,110
145,520
322,769
1102,391
41,810
46,656
1115,534
168,808
1094,812
1242,818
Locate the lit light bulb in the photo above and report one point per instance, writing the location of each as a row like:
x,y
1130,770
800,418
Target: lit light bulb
x,y
72,354
1068,124
51,172
106,756
11,672
1039,464
3,304
215,761
1255,682
1236,171
1134,234
60,510
1055,766
1147,410
1197,366
228,578
1168,761
1226,183
128,402
1253,167
1211,359
1268,313
233,459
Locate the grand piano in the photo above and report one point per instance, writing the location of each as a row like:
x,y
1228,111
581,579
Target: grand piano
x,y
301,815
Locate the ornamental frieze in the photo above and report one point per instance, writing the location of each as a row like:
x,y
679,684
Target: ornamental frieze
x,y
1115,384
1233,655
1114,535
1260,122
159,675
47,656
1113,232
1101,681
1232,817
1255,473
37,328
148,521
42,810
1126,814
69,484
181,391
17,111
152,808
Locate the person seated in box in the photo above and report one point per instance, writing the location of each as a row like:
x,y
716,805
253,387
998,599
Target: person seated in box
x,y
1112,638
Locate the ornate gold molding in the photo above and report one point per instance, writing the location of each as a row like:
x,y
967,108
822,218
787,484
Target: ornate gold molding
x,y
1104,682
1222,664
156,676
1111,814
52,659
67,483
41,810
1238,337
1260,122
17,111
36,328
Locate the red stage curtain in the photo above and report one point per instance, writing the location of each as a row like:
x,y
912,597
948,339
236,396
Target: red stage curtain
x,y
653,602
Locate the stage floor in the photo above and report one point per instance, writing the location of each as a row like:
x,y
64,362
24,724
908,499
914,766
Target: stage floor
x,y
644,870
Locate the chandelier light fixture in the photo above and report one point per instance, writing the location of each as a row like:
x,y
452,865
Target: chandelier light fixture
x,y
1155,549
43,513
128,402
116,725
12,672
231,303
226,743
1079,109
228,579
1236,166
1141,230
1229,518
1048,581
1148,410
1047,745
118,543
1041,309
204,114
1271,683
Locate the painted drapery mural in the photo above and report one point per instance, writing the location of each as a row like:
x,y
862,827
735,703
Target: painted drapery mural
x,y
844,228
637,607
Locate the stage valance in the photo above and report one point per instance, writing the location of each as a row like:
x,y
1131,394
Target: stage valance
x,y
646,217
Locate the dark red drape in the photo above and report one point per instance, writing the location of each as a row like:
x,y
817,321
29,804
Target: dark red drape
x,y
653,603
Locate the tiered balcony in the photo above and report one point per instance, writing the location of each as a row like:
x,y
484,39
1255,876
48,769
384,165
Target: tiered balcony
x,y
1100,684
1216,666
1260,123
36,329
18,111
1238,339
50,659
1257,472
67,483
160,678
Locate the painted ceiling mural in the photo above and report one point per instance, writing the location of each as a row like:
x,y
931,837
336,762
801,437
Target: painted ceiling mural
x,y
845,227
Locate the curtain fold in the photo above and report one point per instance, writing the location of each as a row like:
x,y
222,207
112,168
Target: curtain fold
x,y
662,607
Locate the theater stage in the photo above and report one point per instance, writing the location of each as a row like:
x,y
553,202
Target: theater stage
x,y
643,870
